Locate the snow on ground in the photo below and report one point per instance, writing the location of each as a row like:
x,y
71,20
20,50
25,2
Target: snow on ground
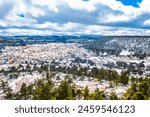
x,y
15,84
13,56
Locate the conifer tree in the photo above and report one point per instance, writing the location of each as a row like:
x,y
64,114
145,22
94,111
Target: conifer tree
x,y
64,91
98,95
86,93
113,96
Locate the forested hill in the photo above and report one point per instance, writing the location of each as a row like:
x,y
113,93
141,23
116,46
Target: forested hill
x,y
134,44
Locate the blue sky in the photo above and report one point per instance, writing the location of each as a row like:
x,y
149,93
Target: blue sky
x,y
74,17
134,3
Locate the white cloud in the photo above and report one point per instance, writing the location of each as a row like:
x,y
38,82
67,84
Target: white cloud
x,y
110,18
145,6
50,4
73,17
147,22
80,5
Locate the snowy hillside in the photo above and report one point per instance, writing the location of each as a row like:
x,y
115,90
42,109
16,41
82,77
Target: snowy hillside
x,y
117,44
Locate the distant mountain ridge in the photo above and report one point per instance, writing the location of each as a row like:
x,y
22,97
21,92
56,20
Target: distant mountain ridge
x,y
25,40
111,44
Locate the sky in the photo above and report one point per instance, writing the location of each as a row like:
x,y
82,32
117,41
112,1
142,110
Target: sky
x,y
74,17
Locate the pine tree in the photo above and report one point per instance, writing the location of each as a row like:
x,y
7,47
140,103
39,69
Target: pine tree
x,y
130,92
7,91
138,96
48,75
30,91
113,96
64,91
86,93
79,94
46,92
124,79
144,88
23,93
98,95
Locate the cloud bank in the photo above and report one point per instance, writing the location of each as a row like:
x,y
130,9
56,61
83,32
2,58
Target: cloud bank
x,y
74,17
